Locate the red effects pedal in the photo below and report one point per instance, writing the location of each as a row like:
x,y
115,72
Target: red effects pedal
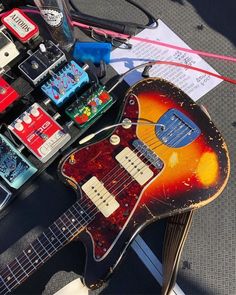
x,y
39,132
7,95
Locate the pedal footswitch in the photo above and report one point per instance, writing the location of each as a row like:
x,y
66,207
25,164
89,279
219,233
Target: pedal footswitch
x,y
39,132
14,168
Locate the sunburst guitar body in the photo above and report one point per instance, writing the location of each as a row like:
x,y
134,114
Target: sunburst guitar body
x,y
174,160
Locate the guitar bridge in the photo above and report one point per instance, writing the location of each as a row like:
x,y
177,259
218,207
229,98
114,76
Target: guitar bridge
x,y
179,129
148,154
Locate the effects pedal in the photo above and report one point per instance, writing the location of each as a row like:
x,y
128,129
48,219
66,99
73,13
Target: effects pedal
x,y
8,50
38,65
8,95
20,25
39,132
92,103
65,83
14,168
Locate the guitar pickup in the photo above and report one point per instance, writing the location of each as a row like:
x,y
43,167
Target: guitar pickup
x,y
100,196
134,166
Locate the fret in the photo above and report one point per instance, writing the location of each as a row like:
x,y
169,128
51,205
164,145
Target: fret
x,y
34,258
61,232
16,259
13,275
29,260
78,215
8,277
71,223
74,219
5,284
50,241
55,237
38,239
65,227
83,213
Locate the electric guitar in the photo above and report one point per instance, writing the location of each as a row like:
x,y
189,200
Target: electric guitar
x,y
165,158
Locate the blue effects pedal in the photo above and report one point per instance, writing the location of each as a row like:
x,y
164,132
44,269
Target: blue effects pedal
x,y
14,168
65,83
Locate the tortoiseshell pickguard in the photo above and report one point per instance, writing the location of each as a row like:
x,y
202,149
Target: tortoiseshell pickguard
x,y
192,175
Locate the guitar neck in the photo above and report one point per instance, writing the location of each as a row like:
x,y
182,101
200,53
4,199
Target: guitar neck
x,y
60,233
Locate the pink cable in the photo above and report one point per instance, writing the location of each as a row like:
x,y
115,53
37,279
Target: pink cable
x,y
203,53
168,45
144,40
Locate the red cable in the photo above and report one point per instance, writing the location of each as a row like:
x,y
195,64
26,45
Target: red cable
x,y
172,63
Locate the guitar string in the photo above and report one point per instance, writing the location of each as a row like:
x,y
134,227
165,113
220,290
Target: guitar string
x,y
121,169
72,224
124,171
180,139
41,258
145,166
147,143
79,223
111,174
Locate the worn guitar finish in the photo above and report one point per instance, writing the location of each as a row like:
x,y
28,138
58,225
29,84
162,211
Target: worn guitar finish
x,y
138,174
192,169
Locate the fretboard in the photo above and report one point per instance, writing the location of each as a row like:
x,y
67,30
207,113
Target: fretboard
x,y
60,233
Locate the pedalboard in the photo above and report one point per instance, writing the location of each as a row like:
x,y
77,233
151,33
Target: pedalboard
x,y
8,95
47,101
89,105
8,50
39,132
65,83
15,169
20,25
40,63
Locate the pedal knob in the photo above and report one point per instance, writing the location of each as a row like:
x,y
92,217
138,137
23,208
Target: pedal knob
x,y
114,139
27,119
126,123
2,90
19,126
35,112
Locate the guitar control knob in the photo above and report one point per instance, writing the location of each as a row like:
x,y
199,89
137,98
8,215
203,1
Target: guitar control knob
x,y
126,123
114,139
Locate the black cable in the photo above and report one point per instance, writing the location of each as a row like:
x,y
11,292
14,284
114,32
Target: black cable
x,y
128,28
152,19
122,76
